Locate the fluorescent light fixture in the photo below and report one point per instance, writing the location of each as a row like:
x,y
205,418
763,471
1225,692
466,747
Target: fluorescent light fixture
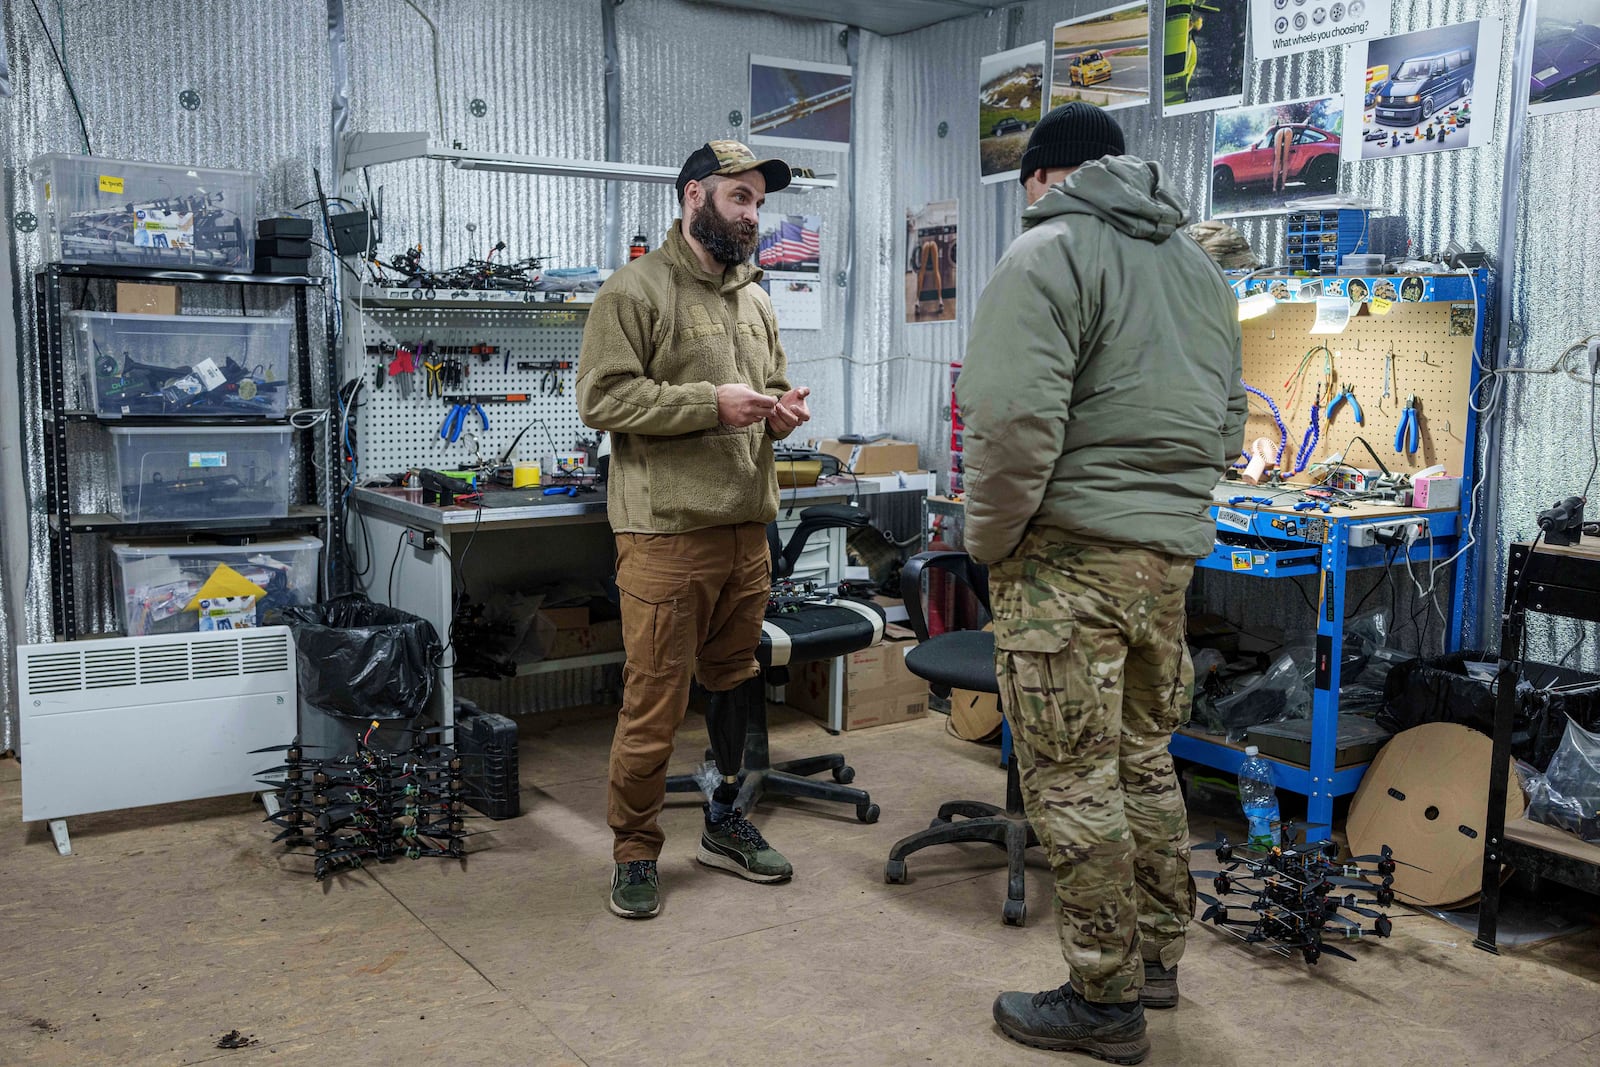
x,y
1255,305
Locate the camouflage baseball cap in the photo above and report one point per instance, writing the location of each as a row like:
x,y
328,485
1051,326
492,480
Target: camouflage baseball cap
x,y
728,158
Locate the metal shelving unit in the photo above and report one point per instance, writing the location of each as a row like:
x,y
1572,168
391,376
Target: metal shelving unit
x,y
48,288
1551,581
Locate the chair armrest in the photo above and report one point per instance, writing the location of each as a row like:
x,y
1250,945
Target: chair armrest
x,y
956,564
812,519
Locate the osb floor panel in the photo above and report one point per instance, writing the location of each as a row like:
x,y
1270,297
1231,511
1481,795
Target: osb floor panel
x,y
169,927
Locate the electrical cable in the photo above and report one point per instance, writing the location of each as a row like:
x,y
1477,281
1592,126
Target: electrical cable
x,y
83,126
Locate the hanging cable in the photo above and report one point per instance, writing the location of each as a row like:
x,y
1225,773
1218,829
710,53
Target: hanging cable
x,y
83,126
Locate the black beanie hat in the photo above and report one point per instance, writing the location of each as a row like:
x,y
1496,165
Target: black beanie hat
x,y
1069,136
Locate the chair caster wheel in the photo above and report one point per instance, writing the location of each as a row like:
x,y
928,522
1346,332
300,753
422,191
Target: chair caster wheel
x,y
844,775
894,872
867,813
1014,912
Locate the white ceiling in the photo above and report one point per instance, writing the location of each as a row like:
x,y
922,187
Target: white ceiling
x,y
880,16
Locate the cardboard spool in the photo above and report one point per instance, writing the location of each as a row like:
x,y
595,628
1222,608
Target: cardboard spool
x,y
1426,796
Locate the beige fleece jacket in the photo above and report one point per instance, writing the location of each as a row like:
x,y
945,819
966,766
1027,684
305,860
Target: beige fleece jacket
x,y
661,336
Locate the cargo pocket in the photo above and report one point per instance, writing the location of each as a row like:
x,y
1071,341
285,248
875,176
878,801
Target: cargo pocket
x,y
656,620
1042,693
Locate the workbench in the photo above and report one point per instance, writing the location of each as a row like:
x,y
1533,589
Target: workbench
x,y
1551,580
1321,546
549,540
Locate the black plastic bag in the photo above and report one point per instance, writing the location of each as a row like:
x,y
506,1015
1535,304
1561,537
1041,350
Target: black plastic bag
x,y
362,660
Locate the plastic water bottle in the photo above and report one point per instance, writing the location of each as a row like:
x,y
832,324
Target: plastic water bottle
x,y
1259,798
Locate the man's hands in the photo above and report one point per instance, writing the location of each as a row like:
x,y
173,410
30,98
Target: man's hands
x,y
791,411
740,406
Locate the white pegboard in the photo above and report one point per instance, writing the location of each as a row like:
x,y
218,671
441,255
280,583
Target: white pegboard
x,y
397,434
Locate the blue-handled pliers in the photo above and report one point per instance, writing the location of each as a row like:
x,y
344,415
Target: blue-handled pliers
x,y
456,421
1407,438
1312,505
561,490
1345,395
1237,500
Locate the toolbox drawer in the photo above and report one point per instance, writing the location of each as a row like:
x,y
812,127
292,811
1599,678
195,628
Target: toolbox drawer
x,y
201,473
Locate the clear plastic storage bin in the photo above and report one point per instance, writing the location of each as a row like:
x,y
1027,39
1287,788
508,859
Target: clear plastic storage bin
x,y
182,364
198,473
127,213
159,581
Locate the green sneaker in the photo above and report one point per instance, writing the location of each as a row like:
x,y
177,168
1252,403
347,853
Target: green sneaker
x,y
635,890
735,845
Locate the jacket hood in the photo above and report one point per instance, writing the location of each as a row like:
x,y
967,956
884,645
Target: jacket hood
x,y
1125,192
683,258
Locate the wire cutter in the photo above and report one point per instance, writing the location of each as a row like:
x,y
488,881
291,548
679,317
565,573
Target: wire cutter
x,y
435,386
1345,395
456,421
1407,438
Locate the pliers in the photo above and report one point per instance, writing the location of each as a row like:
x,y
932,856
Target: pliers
x,y
1313,505
1346,395
456,421
1407,438
1237,500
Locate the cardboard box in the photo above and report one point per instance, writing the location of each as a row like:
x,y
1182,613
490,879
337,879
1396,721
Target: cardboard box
x,y
879,457
878,687
585,640
567,618
136,298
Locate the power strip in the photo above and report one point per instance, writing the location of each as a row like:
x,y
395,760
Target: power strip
x,y
1410,531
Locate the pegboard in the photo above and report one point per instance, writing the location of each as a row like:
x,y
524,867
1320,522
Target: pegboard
x,y
396,434
1429,362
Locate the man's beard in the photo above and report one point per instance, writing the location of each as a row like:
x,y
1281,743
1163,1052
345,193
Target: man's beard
x,y
730,242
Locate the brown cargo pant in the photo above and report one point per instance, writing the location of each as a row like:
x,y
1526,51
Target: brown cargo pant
x,y
692,605
1094,678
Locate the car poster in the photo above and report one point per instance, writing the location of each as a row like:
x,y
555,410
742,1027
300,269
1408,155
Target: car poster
x,y
1283,27
1011,91
931,262
1566,57
1103,58
1265,156
1202,65
1420,92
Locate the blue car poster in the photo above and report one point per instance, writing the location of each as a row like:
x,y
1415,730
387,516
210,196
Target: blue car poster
x,y
1429,91
1565,75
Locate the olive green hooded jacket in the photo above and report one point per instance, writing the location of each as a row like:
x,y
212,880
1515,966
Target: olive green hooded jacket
x,y
1101,390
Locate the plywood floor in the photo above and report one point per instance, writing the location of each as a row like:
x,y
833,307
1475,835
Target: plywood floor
x,y
170,927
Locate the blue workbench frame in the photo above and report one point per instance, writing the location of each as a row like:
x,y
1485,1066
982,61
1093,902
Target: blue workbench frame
x,y
1327,551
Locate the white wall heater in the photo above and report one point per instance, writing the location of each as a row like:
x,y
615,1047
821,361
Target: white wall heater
x,y
122,722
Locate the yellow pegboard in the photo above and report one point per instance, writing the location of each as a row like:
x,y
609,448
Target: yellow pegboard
x,y
1430,362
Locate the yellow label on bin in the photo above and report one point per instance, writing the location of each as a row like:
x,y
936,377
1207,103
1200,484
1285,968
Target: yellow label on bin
x,y
108,184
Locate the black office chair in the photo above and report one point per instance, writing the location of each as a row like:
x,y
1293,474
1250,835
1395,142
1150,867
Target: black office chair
x,y
810,631
964,659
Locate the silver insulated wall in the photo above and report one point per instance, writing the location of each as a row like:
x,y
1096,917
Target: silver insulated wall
x,y
538,71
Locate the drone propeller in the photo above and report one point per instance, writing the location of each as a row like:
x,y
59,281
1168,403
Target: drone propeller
x,y
1385,859
284,748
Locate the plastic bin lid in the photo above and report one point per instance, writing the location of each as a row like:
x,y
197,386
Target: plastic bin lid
x,y
179,548
189,430
143,318
101,163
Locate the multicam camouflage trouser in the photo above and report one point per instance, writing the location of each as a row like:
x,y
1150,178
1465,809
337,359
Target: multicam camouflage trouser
x,y
1094,677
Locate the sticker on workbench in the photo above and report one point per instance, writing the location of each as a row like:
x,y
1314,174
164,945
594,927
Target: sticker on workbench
x,y
1261,560
1236,520
1317,531
108,184
208,459
1241,561
1287,526
1463,320
1414,290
